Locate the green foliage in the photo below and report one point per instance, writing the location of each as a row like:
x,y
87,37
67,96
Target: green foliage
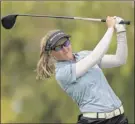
x,y
26,100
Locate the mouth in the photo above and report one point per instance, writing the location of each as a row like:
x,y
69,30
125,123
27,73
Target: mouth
x,y
66,53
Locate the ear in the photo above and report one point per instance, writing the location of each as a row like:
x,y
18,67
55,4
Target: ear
x,y
52,53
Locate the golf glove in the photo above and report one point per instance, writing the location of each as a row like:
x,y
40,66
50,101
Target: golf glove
x,y
119,27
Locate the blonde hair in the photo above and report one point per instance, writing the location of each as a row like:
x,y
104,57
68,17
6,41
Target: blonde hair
x,y
46,64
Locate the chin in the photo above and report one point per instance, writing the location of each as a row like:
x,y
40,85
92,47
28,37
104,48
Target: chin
x,y
69,56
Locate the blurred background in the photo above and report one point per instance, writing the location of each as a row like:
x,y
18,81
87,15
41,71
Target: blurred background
x,y
26,100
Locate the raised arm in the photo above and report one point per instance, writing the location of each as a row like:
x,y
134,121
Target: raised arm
x,y
93,58
120,58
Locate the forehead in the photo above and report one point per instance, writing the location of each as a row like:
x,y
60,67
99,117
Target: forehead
x,y
61,41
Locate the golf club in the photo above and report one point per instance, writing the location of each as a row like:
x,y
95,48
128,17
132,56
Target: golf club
x,y
9,20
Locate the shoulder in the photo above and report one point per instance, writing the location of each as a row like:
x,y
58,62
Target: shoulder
x,y
62,68
65,74
60,65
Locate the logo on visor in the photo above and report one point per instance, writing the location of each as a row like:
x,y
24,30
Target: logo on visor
x,y
56,35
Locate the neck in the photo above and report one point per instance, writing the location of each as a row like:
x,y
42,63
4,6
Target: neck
x,y
72,58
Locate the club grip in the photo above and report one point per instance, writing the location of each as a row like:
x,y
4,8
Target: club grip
x,y
125,22
122,22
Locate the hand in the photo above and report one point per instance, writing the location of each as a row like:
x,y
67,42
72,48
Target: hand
x,y
119,27
110,21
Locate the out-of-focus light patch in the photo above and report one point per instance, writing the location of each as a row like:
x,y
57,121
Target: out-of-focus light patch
x,y
7,115
125,70
132,4
17,106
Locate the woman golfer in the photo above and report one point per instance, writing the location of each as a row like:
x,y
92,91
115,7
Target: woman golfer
x,y
80,75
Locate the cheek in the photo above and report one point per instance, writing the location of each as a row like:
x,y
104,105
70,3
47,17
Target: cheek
x,y
70,48
58,54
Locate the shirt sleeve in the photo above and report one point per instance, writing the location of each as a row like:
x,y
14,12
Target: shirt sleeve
x,y
66,75
95,56
120,58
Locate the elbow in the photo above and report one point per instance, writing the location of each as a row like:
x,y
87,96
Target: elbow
x,y
122,61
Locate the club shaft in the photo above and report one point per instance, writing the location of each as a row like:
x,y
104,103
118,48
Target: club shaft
x,y
64,17
88,19
76,18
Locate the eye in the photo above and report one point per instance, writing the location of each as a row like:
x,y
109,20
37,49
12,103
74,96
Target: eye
x,y
57,48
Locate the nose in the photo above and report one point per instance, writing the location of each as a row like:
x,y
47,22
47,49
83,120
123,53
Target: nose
x,y
64,49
